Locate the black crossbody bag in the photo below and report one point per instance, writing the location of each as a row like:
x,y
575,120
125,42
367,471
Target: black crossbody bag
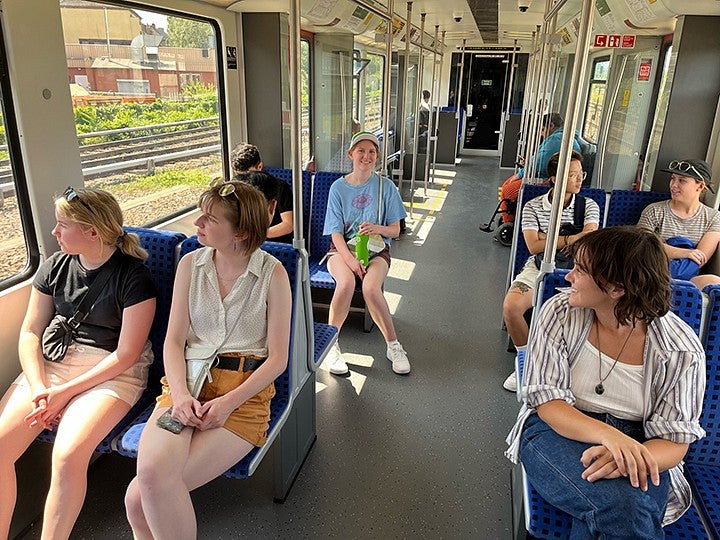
x,y
561,259
59,333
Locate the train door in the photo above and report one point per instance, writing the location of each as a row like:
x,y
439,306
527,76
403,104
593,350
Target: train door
x,y
617,112
483,88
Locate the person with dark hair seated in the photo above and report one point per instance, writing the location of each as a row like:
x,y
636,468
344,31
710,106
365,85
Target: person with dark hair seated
x,y
245,157
535,224
552,133
612,392
269,186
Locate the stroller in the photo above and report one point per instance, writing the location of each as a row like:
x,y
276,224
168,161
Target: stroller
x,y
506,208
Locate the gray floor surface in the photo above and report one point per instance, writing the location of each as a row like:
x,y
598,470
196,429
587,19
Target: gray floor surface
x,y
419,456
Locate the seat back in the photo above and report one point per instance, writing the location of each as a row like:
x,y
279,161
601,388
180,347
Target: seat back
x,y
707,450
626,205
161,247
286,176
320,244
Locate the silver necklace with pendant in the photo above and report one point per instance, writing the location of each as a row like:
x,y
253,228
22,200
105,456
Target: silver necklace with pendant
x,y
599,388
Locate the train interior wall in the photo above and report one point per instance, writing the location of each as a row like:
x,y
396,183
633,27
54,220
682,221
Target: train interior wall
x,y
693,98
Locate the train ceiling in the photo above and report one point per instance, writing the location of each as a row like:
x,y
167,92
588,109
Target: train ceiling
x,y
481,22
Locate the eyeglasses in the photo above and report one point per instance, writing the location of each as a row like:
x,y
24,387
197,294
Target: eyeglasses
x,y
684,166
71,195
577,176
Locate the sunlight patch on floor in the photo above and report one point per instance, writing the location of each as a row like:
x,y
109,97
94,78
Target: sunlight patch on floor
x,y
442,173
421,229
401,269
357,380
393,301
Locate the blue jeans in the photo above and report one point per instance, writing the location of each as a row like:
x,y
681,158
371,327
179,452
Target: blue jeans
x,y
606,509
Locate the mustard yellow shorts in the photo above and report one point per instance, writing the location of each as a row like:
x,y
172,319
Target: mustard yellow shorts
x,y
250,421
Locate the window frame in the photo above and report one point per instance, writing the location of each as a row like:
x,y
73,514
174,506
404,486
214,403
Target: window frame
x,y
22,193
592,83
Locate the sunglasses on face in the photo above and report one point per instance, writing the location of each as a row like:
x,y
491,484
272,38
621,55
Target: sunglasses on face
x,y
684,166
71,195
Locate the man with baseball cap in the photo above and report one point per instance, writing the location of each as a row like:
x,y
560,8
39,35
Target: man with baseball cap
x,y
685,218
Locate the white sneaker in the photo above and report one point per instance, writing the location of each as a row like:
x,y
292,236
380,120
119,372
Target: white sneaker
x,y
335,361
511,382
397,355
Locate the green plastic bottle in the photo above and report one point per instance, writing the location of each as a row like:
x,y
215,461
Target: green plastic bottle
x,y
361,248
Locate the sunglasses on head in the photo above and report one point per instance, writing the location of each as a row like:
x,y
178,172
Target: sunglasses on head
x,y
225,188
71,195
684,166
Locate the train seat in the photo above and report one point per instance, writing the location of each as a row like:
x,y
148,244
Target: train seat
x,y
127,444
319,244
702,462
625,206
286,176
543,520
281,405
161,247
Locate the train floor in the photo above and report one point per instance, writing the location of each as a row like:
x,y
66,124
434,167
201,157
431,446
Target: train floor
x,y
417,456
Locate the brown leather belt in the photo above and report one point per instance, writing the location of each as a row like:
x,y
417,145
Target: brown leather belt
x,y
232,363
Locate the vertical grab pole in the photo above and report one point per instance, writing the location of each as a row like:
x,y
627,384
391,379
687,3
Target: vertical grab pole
x,y
530,90
457,97
416,126
437,111
386,85
404,101
430,115
571,113
295,145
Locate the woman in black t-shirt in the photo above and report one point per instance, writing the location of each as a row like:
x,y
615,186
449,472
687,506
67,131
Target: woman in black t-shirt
x,y
105,369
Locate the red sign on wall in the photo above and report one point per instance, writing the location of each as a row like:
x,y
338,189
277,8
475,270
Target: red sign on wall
x,y
628,41
644,70
600,40
614,41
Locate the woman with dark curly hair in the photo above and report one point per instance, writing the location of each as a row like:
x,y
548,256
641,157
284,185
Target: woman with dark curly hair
x,y
612,391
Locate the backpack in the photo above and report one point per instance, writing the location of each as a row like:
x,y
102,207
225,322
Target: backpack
x,y
561,259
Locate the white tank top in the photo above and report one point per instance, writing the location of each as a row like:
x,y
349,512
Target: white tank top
x,y
624,386
211,317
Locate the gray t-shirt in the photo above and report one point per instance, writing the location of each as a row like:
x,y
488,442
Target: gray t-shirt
x,y
660,219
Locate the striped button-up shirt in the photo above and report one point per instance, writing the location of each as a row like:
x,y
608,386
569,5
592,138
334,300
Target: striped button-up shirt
x,y
674,371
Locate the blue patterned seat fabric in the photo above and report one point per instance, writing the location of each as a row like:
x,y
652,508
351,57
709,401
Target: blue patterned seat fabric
x,y
161,246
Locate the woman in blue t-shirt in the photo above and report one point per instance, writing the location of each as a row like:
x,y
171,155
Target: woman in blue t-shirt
x,y
363,202
105,368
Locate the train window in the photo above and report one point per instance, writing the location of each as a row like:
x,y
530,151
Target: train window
x,y
18,247
373,92
146,102
306,114
596,98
